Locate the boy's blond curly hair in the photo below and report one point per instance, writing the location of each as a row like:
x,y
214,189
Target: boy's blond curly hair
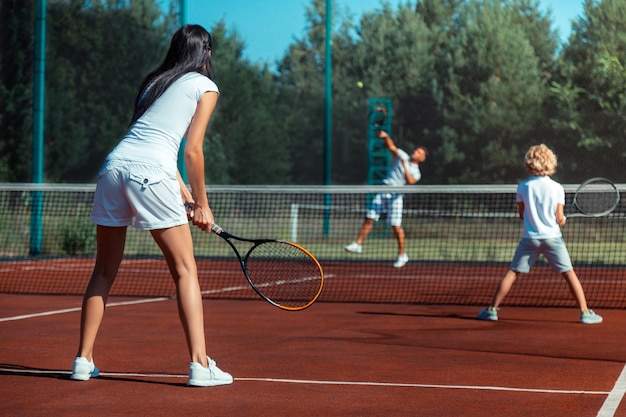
x,y
540,160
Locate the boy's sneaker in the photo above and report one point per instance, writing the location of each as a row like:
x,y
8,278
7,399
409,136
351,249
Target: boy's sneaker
x,y
488,313
82,369
354,248
199,376
401,261
590,318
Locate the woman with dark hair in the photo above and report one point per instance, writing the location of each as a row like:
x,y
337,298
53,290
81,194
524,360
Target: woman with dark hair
x,y
139,184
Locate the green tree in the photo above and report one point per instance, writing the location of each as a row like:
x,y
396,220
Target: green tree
x,y
537,28
98,53
491,92
388,53
394,56
301,79
248,143
16,93
475,81
591,94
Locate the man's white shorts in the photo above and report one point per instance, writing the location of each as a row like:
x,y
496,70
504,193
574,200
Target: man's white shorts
x,y
391,203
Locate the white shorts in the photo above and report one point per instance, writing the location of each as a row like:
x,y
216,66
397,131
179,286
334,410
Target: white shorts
x,y
391,203
146,193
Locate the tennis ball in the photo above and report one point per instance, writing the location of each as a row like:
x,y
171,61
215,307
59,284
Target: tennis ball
x,y
359,84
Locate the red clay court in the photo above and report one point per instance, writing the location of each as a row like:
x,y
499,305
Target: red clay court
x,y
340,359
379,342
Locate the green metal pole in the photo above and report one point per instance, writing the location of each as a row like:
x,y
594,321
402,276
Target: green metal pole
x,y
182,12
328,63
329,94
39,70
182,168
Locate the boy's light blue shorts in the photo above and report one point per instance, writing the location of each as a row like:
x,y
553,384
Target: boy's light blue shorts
x,y
553,249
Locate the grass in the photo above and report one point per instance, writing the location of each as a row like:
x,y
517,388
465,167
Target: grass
x,y
428,239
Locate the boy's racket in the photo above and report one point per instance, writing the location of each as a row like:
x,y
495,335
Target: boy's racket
x,y
595,197
283,273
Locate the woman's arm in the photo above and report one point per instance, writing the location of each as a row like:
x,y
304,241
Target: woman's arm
x,y
201,214
185,193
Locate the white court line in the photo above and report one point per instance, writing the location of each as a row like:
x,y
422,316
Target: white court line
x,y
456,277
71,310
612,402
122,303
397,384
326,382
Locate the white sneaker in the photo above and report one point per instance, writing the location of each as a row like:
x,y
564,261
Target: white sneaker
x,y
82,369
401,261
354,248
199,376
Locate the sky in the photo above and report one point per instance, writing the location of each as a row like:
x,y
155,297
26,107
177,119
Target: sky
x,y
268,27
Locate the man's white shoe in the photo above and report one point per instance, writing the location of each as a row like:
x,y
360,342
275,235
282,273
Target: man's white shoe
x,y
354,248
401,261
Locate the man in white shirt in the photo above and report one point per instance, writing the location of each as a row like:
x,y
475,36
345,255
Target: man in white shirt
x,y
405,170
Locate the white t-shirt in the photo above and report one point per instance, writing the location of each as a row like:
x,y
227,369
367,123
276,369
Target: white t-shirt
x,y
155,138
540,195
396,173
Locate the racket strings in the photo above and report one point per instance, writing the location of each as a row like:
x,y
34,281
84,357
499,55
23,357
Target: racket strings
x,y
596,197
284,273
379,116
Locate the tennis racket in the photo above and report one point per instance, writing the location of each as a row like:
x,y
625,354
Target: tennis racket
x,y
283,273
378,117
595,197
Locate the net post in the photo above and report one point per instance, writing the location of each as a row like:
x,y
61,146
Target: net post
x,y
293,220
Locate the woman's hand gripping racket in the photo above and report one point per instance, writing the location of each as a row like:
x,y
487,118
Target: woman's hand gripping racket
x,y
595,197
283,273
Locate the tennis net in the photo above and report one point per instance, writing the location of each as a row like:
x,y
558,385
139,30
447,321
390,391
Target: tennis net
x,y
459,240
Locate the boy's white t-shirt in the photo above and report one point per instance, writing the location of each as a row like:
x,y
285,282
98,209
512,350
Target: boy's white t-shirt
x,y
155,138
540,195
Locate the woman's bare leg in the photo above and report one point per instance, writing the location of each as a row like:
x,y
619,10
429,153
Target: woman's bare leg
x,y
177,247
110,249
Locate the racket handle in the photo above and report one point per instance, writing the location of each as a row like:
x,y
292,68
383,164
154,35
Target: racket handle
x,y
216,229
